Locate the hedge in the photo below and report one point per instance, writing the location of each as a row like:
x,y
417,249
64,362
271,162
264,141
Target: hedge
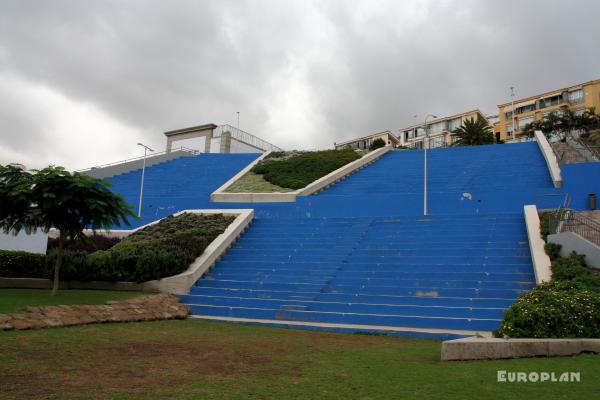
x,y
304,168
160,250
21,264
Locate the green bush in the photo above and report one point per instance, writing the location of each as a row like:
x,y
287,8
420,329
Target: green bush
x,y
553,250
558,309
163,249
377,143
21,264
302,169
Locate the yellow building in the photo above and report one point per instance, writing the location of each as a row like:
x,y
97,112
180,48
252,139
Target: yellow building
x,y
576,98
440,130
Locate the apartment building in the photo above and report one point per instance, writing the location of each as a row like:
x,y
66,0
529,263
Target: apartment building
x,y
576,98
440,130
363,143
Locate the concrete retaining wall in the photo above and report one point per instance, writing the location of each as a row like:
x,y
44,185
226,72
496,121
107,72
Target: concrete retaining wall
x,y
475,348
541,261
550,157
33,243
571,241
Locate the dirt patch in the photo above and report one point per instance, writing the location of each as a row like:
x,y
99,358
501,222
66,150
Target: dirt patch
x,y
146,366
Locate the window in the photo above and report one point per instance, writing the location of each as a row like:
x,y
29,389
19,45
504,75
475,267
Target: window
x,y
409,134
524,121
420,132
551,101
438,141
509,129
524,109
579,112
455,123
419,144
437,127
508,115
575,97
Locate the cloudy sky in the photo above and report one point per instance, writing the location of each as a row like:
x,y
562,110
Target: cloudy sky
x,y
81,82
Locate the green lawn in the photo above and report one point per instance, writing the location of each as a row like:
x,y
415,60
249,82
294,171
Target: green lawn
x,y
254,183
211,360
13,300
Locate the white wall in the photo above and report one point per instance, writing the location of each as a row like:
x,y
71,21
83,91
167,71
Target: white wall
x,y
34,243
239,147
215,145
196,143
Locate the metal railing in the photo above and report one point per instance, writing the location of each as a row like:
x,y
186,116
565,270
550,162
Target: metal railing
x,y
186,149
568,220
245,137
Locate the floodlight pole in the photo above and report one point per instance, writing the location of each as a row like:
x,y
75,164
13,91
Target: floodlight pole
x,y
146,148
425,146
238,120
512,113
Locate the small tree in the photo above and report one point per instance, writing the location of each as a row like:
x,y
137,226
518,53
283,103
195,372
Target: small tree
x,y
53,197
473,132
377,143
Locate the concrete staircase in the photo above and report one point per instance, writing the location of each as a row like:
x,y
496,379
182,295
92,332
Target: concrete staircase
x,y
437,276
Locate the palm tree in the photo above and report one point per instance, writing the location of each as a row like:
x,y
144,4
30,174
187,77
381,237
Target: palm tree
x,y
473,132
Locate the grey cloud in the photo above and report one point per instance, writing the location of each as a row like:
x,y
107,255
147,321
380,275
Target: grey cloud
x,y
303,74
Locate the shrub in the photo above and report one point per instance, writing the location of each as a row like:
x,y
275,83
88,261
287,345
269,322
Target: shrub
x,y
377,143
553,250
163,249
21,264
568,268
558,309
93,243
304,168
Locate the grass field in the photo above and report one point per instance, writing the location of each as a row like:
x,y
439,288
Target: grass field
x,y
212,360
13,300
254,183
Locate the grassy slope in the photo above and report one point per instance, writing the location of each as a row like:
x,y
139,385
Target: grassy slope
x,y
13,300
254,183
211,360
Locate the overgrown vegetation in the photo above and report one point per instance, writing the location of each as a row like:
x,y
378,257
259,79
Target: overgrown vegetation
x,y
160,250
301,169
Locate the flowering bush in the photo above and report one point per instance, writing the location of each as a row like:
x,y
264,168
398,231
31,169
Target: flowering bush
x,y
558,309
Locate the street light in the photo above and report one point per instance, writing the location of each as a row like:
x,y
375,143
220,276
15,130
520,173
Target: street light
x,y
426,145
146,148
512,113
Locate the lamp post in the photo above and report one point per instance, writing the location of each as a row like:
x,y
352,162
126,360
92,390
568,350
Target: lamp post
x,y
425,146
238,122
146,148
512,113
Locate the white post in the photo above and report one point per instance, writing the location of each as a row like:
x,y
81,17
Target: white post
x,y
425,146
146,148
512,113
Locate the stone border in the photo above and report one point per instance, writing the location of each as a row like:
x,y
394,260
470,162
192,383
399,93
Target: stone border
x,y
476,348
541,261
550,158
176,284
220,195
141,308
